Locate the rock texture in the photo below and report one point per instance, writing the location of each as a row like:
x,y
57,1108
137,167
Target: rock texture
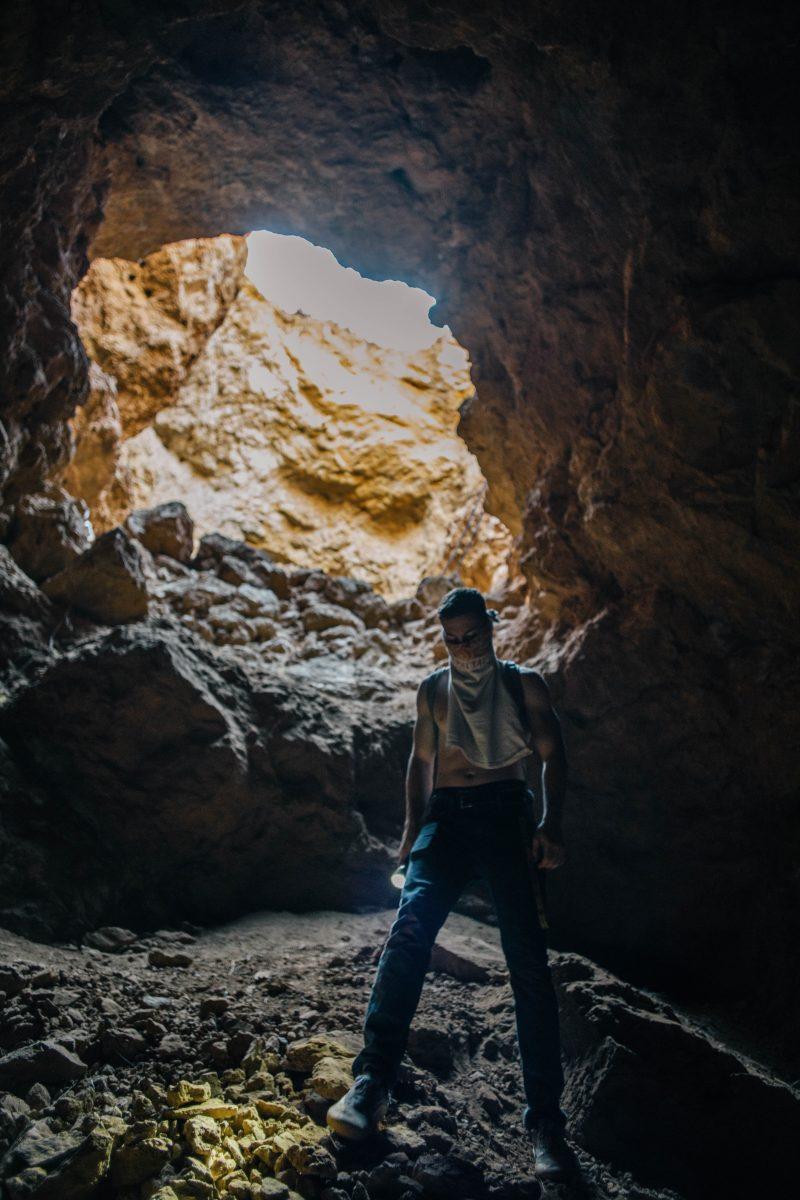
x,y
606,201
241,718
291,433
185,1057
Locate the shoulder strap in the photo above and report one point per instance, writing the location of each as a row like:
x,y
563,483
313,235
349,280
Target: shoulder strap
x,y
513,678
430,694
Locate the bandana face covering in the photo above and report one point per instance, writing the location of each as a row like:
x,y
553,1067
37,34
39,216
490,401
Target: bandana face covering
x,y
482,718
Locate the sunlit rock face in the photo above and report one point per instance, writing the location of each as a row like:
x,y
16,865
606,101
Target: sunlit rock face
x,y
291,433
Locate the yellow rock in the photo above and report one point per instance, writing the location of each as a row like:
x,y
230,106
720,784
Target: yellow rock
x,y
202,1134
283,1112
303,1055
219,1109
234,1149
185,1092
220,1162
331,1077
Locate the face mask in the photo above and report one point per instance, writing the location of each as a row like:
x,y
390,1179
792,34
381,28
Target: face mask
x,y
475,654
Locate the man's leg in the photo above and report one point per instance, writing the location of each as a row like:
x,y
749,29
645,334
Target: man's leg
x,y
434,880
525,947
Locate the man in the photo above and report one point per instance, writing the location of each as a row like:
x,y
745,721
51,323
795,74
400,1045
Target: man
x,y
469,814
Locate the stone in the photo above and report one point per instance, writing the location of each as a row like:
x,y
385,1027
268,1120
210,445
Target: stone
x,y
430,1045
445,1176
45,1061
331,1077
18,592
157,957
108,582
110,938
187,1091
305,1053
135,1162
202,1134
462,959
48,533
122,1044
56,1166
166,529
271,1189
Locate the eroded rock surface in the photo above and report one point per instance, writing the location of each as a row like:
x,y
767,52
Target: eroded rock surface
x,y
190,732
291,433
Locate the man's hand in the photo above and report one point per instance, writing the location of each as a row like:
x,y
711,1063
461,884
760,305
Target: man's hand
x,y
548,848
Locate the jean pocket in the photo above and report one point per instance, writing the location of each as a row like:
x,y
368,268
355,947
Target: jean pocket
x,y
424,838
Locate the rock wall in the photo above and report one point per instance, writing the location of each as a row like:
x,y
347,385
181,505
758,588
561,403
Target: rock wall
x,y
606,201
291,433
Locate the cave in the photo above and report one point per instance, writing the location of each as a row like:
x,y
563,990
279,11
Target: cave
x,y
196,838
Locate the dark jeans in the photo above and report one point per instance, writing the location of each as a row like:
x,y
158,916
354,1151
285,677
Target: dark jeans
x,y
453,847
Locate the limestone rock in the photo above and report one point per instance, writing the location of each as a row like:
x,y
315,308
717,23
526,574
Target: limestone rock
x,y
158,314
167,529
283,423
48,533
108,581
94,472
18,593
304,1055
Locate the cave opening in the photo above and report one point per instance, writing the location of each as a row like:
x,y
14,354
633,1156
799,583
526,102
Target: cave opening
x,y
289,403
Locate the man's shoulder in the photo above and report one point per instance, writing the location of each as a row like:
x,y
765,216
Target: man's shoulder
x,y
432,678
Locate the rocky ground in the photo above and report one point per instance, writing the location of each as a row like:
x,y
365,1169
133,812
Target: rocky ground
x,y
191,1063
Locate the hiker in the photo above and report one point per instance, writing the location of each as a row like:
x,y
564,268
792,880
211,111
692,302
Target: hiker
x,y
469,813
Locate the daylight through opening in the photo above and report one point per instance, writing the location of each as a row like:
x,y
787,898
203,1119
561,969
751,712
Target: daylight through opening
x,y
287,402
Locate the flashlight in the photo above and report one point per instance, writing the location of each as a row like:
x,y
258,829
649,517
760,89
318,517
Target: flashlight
x,y
398,876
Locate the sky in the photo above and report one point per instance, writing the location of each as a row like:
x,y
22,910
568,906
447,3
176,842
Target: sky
x,y
295,274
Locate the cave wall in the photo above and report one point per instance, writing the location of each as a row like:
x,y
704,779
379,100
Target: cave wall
x,y
605,201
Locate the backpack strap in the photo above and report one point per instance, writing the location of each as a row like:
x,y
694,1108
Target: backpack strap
x,y
431,684
513,678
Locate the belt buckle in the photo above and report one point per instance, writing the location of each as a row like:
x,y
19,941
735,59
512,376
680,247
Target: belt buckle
x,y
466,801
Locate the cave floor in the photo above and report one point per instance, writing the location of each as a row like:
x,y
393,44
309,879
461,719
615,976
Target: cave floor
x,y
296,975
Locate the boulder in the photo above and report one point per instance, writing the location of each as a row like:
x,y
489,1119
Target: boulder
x,y
49,531
18,592
166,529
45,1061
108,582
648,1090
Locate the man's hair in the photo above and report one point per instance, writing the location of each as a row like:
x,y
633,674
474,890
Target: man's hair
x,y
466,602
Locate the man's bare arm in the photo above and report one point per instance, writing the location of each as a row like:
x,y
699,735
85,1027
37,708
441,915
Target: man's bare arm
x,y
419,774
549,744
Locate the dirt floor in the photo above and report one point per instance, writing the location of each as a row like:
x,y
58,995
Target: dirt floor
x,y
454,1126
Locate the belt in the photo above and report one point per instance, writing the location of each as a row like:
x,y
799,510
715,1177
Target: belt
x,y
457,799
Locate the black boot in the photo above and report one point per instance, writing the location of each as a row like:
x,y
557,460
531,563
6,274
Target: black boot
x,y
358,1112
554,1158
